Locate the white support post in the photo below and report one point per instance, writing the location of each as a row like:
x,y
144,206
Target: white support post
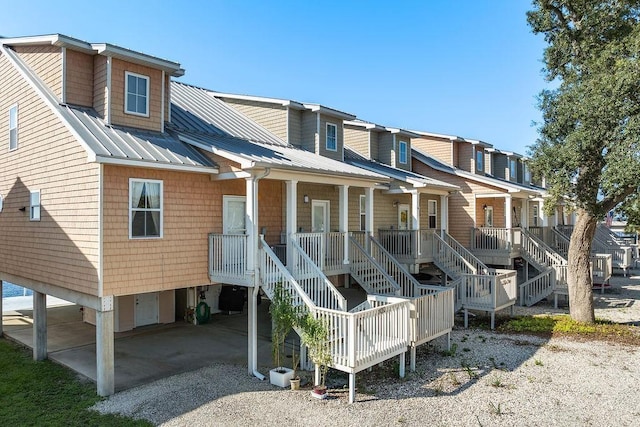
x,y
316,377
524,220
402,362
105,359
444,215
352,387
368,210
508,216
251,214
543,216
39,326
344,220
412,359
415,210
292,223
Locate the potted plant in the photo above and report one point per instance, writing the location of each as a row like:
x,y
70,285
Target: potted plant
x,y
283,318
315,335
295,380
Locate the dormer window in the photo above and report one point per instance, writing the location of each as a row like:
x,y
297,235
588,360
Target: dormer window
x,y
332,137
402,152
527,173
512,169
13,128
136,91
479,161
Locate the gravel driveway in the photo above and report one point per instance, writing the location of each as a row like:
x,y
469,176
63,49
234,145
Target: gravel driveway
x,y
490,379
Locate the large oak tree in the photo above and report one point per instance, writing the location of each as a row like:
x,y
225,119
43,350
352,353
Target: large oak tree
x,y
589,144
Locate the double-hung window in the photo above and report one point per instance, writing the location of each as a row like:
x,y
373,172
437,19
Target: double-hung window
x,y
527,174
512,170
332,137
145,208
136,94
34,205
479,160
13,127
402,152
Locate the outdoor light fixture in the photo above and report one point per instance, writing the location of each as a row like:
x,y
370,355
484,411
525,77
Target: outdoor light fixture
x,y
305,198
395,203
484,207
22,209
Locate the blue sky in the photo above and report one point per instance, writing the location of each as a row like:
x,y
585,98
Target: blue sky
x,y
470,67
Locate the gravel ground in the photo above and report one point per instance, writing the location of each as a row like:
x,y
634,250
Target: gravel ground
x,y
490,379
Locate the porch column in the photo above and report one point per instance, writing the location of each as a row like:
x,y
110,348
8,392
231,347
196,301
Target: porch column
x,y
444,215
39,326
292,218
105,364
415,210
524,214
344,220
508,218
368,210
544,219
252,250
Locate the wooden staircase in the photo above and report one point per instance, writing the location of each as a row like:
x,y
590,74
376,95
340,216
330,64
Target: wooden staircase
x,y
552,269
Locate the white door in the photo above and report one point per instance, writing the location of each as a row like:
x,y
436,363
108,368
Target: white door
x,y
320,216
146,310
403,217
234,221
234,215
488,216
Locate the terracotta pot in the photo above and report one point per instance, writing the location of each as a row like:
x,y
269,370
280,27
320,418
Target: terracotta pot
x,y
295,383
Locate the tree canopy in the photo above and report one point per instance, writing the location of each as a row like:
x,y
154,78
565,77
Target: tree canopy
x,y
589,144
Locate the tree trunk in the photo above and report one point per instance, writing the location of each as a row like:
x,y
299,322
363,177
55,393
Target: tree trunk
x,y
579,269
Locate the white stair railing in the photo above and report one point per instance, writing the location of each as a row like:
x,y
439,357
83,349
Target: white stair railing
x,y
449,260
532,290
325,249
465,253
396,270
313,281
366,270
227,258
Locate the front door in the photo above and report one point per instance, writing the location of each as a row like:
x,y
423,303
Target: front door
x,y
234,219
403,217
146,311
320,216
488,216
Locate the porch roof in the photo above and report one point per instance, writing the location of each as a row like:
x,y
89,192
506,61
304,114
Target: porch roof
x,y
252,154
408,177
511,187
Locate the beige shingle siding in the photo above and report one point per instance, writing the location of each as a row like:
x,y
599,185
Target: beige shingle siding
x,y
295,127
192,210
373,145
100,85
438,148
118,116
405,166
488,167
385,148
461,204
466,159
335,155
62,248
167,96
271,117
357,139
309,135
79,78
46,62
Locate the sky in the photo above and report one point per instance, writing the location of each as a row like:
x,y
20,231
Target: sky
x,y
470,68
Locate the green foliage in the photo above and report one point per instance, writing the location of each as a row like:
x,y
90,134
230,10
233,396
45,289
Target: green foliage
x,y
46,394
315,335
589,145
284,317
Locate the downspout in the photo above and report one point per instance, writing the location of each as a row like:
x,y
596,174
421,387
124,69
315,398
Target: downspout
x,y
256,281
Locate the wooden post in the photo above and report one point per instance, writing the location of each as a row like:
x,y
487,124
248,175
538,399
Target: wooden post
x,y
105,360
39,326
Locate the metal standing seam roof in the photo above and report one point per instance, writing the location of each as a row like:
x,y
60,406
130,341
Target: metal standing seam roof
x,y
399,174
108,143
197,108
491,180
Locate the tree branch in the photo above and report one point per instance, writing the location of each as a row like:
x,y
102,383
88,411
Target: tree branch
x,y
611,202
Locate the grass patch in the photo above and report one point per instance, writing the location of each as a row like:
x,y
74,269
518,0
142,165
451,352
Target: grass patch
x,y
563,325
46,394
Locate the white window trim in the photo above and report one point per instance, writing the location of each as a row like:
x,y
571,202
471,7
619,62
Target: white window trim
x,y
363,212
326,137
536,215
513,169
435,213
479,164
400,144
32,217
16,128
131,181
126,93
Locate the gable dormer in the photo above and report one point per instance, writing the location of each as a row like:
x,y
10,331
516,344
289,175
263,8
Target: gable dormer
x,y
125,88
390,146
442,147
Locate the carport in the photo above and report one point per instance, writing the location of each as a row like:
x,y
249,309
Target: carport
x,y
148,353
